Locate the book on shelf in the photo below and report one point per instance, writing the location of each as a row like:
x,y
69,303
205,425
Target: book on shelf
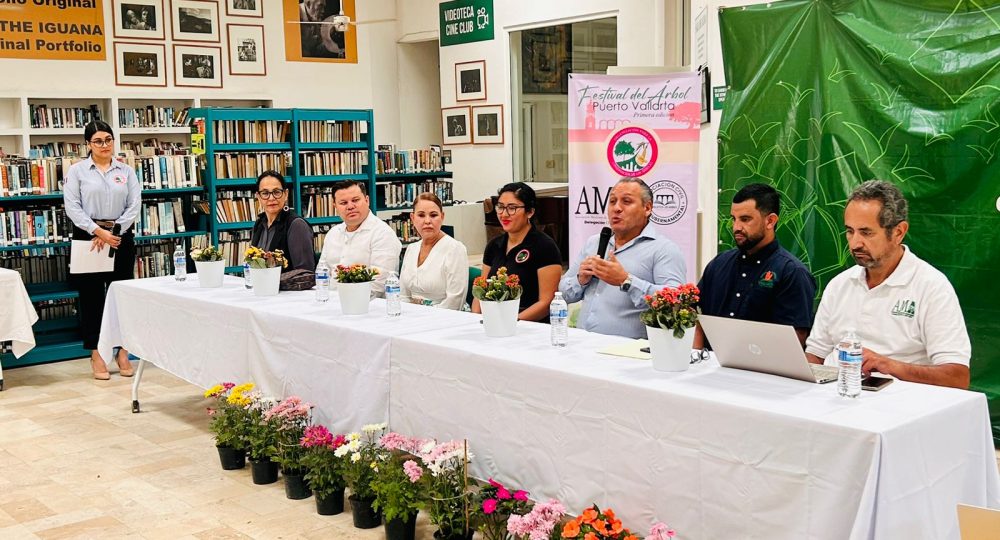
x,y
318,201
165,172
153,117
153,146
249,165
233,244
252,131
155,259
318,131
323,163
160,217
319,235
58,149
392,161
402,195
43,116
51,310
26,176
41,265
232,206
403,227
37,225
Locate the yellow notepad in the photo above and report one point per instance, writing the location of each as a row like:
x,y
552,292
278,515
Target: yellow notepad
x,y
629,349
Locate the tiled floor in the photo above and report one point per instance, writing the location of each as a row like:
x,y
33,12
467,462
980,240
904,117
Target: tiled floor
x,y
76,463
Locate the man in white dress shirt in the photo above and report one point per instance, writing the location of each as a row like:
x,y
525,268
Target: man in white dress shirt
x,y
904,310
362,238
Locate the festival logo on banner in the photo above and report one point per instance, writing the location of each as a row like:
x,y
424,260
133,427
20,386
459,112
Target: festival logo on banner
x,y
635,127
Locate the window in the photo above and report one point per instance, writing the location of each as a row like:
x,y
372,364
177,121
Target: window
x,y
541,61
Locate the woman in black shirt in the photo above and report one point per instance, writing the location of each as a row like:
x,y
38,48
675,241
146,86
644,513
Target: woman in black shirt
x,y
524,251
278,227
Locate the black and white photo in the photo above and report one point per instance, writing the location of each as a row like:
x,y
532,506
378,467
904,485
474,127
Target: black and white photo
x,y
197,66
488,123
139,19
246,49
457,125
245,8
470,81
195,20
140,64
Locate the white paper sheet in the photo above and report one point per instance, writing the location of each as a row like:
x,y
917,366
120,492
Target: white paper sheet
x,y
84,261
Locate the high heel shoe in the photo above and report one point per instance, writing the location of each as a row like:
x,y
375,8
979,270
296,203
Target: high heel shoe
x,y
99,374
126,370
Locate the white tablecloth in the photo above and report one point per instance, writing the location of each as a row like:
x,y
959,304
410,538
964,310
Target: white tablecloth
x,y
716,453
17,314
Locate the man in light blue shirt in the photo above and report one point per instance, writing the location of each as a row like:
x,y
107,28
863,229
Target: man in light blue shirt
x,y
639,262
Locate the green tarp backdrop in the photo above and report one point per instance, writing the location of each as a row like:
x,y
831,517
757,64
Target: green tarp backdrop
x,y
825,94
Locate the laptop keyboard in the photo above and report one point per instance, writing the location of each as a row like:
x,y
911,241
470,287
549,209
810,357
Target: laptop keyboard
x,y
824,373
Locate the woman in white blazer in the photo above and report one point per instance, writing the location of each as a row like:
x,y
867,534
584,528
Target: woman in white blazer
x,y
435,270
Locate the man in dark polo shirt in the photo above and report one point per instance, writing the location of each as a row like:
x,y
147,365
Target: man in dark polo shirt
x,y
759,280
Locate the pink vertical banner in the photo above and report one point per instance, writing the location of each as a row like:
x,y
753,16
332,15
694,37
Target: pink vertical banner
x,y
644,126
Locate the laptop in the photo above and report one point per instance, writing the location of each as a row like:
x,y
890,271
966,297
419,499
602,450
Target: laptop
x,y
762,347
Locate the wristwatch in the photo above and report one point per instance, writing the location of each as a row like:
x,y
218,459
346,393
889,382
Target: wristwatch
x,y
627,284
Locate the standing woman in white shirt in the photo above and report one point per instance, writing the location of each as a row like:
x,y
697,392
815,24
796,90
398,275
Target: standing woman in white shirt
x,y
99,194
437,267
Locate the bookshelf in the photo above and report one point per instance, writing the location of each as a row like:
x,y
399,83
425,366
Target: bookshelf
x,y
29,121
319,147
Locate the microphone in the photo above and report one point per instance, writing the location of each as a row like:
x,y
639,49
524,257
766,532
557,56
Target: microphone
x,y
602,244
117,230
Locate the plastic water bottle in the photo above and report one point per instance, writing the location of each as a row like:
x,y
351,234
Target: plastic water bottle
x,y
180,264
247,282
559,320
392,307
322,282
849,359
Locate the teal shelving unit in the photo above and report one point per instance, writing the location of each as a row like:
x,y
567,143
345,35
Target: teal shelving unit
x,y
390,178
294,146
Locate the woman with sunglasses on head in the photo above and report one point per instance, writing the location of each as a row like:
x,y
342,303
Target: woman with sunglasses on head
x,y
525,251
102,197
435,270
279,227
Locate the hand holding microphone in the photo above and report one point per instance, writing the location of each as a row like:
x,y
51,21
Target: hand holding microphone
x,y
115,237
587,266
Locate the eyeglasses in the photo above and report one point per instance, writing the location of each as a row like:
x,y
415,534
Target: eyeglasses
x,y
509,209
103,142
270,194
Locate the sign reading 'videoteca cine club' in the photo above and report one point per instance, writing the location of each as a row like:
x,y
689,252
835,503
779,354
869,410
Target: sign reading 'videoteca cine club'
x,y
466,21
52,29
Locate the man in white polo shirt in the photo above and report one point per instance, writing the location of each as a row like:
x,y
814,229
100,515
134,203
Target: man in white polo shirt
x,y
905,310
362,238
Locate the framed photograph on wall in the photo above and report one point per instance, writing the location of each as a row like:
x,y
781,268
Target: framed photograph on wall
x,y
312,36
487,124
246,49
197,66
470,81
195,20
140,64
455,121
245,8
706,94
138,19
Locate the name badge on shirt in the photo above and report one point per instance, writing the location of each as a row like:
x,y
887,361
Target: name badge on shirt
x,y
522,256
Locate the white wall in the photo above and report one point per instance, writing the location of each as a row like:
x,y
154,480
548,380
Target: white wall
x,y
419,94
369,84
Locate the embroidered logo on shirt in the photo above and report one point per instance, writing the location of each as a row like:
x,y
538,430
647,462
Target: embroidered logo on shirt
x,y
768,279
119,179
522,256
905,308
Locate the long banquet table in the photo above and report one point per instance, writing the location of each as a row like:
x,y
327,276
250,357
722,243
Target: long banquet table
x,y
717,453
17,316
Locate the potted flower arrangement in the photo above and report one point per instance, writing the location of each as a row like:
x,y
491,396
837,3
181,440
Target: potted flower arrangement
x,y
354,287
538,524
447,488
210,266
670,320
595,524
499,299
265,269
323,468
360,453
291,416
495,504
229,421
396,484
262,439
